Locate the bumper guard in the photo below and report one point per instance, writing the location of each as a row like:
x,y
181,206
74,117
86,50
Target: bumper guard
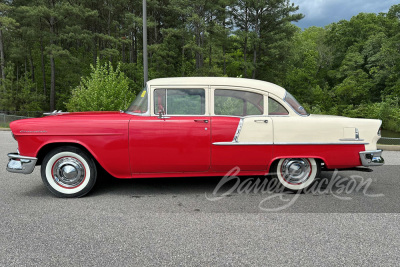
x,y
372,158
20,164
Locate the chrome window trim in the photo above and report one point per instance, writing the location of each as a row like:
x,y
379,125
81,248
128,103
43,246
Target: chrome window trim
x,y
308,114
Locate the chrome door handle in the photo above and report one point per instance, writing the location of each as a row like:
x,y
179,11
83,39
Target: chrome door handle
x,y
264,121
205,121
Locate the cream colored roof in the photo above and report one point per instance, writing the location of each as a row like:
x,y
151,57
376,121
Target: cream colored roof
x,y
221,81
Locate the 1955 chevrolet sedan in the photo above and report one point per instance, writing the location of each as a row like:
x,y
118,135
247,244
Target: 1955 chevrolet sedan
x,y
181,127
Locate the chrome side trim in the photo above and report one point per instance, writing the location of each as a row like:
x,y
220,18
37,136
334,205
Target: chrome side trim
x,y
280,143
242,143
320,143
356,136
372,158
239,128
21,164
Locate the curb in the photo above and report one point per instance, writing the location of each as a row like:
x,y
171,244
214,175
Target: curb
x,y
5,129
389,147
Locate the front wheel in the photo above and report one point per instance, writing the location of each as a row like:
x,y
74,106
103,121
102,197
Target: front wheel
x,y
297,173
68,172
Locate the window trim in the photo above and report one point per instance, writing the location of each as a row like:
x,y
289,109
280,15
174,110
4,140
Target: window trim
x,y
236,88
181,87
282,103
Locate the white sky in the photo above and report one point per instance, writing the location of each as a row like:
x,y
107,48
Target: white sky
x,y
323,12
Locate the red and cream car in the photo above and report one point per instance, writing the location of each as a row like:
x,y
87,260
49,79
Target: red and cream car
x,y
182,127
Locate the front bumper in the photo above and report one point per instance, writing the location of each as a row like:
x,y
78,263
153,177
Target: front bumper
x,y
21,164
372,158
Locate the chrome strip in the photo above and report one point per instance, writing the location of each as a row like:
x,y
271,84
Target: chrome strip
x,y
351,139
239,128
279,144
242,143
321,143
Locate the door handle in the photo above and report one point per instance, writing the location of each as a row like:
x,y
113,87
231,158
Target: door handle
x,y
204,121
264,121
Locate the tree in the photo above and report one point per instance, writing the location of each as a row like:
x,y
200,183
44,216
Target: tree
x,y
105,89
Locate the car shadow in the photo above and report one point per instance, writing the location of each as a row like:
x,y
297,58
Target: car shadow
x,y
148,187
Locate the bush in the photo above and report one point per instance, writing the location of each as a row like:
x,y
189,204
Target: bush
x,y
105,89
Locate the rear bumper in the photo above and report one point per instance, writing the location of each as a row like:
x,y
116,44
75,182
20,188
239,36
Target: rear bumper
x,y
372,158
20,164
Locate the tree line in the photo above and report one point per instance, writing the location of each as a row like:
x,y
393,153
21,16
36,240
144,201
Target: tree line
x,y
347,68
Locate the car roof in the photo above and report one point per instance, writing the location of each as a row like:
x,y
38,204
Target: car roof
x,y
220,81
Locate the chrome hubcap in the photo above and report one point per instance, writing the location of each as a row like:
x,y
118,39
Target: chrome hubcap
x,y
296,171
68,172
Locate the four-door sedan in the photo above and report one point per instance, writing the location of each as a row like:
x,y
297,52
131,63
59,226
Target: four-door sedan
x,y
181,127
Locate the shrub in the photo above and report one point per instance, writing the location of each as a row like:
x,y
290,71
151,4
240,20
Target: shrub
x,y
105,89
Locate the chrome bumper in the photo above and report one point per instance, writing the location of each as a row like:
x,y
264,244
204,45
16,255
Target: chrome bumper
x,y
20,164
371,158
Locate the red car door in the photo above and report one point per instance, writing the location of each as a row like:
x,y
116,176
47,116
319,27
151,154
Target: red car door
x,y
176,142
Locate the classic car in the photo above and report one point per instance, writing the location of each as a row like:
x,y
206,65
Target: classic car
x,y
198,126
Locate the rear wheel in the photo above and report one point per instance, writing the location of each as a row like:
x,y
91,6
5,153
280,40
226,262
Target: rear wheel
x,y
68,172
297,173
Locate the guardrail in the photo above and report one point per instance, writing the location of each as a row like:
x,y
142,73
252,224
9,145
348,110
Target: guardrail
x,y
389,141
8,116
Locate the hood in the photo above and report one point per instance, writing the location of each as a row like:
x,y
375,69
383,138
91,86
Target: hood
x,y
68,122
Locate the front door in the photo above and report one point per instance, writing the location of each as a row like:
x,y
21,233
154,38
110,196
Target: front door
x,y
178,139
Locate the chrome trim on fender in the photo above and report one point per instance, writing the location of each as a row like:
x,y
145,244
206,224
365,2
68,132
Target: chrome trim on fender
x,y
239,128
372,158
21,164
280,144
242,143
321,143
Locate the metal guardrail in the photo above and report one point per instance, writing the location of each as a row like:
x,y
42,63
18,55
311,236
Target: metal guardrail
x,y
8,116
389,141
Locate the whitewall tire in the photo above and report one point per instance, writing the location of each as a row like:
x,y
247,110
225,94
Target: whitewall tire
x,y
297,173
68,172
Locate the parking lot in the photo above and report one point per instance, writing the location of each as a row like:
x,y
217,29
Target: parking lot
x,y
186,221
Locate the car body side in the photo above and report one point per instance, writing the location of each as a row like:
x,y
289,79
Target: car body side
x,y
123,142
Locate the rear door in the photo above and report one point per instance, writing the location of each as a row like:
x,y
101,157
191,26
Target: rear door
x,y
242,132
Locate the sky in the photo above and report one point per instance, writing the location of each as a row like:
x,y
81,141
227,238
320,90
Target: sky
x,y
323,12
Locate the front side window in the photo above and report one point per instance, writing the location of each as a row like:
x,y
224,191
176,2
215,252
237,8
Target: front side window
x,y
140,104
238,103
179,101
275,108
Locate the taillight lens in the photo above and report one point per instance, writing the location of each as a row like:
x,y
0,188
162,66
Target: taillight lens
x,y
12,134
380,131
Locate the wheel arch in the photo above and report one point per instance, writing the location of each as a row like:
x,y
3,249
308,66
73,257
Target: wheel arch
x,y
274,162
45,149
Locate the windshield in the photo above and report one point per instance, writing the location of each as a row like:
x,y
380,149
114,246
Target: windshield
x,y
295,105
140,104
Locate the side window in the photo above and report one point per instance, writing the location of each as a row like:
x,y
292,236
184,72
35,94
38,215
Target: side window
x,y
275,108
238,103
179,101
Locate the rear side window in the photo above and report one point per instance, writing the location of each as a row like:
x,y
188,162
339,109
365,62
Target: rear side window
x,y
238,103
179,101
275,108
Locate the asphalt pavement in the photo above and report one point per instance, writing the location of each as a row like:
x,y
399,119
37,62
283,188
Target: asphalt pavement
x,y
347,218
